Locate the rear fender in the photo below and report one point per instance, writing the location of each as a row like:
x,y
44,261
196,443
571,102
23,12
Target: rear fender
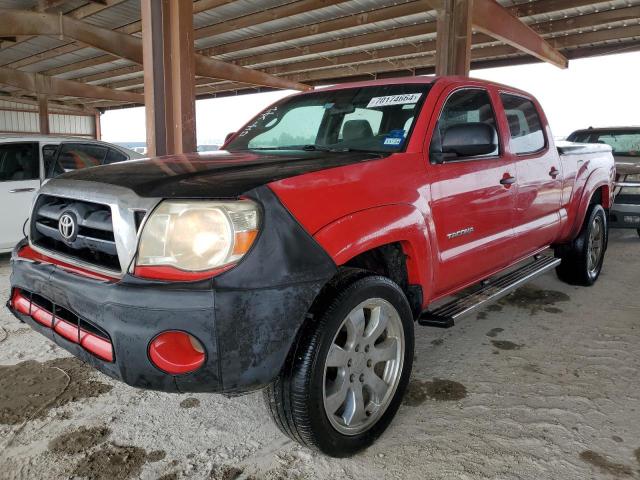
x,y
365,230
599,178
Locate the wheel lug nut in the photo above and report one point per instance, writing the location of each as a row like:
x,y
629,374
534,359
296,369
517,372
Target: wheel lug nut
x,y
361,377
369,363
349,363
352,378
357,348
366,349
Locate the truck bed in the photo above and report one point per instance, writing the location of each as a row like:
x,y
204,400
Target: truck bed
x,y
571,148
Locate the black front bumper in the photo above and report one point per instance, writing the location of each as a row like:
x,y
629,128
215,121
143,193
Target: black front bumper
x,y
132,315
246,318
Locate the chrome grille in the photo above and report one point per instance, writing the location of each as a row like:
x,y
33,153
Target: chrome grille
x,y
93,241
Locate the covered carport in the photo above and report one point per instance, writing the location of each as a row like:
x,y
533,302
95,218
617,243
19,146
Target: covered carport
x,y
85,57
543,384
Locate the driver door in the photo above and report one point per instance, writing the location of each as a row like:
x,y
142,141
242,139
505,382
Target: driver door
x,y
472,198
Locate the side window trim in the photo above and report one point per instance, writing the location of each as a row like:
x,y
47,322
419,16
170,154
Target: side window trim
x,y
54,162
498,156
545,147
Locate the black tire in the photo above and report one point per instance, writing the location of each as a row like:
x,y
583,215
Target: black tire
x,y
295,399
575,268
638,232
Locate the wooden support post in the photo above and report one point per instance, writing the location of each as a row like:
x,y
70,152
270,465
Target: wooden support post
x,y
98,126
453,40
169,76
43,113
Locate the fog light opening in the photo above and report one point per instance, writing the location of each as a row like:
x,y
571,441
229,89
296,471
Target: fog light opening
x,y
176,352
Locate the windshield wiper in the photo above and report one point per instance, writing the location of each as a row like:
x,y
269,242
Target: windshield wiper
x,y
317,148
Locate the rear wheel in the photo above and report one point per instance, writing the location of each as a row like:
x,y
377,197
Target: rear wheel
x,y
638,232
582,260
345,380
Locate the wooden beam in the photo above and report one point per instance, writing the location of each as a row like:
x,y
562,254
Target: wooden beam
x,y
78,13
493,19
40,84
91,9
98,126
169,81
126,46
43,113
453,40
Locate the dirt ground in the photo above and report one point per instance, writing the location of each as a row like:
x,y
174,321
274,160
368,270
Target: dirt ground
x,y
544,385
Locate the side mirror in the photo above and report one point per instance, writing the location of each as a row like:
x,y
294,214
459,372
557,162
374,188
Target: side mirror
x,y
469,139
229,137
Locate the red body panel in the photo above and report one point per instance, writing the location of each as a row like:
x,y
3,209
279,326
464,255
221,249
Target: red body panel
x,y
424,206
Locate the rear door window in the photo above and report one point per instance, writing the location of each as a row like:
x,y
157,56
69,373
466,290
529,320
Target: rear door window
x,y
49,157
115,156
19,161
75,156
524,122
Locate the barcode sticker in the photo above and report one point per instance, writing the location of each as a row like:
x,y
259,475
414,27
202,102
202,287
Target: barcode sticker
x,y
394,100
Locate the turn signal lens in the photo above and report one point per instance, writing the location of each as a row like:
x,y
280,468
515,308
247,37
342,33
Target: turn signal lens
x,y
176,352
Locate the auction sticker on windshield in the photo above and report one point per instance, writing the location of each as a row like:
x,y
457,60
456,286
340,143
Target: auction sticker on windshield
x,y
394,100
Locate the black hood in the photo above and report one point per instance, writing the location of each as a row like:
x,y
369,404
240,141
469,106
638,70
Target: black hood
x,y
214,175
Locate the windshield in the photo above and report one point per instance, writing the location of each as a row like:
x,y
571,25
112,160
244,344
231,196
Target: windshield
x,y
373,119
623,142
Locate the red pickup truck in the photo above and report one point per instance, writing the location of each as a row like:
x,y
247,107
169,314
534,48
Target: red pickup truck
x,y
298,259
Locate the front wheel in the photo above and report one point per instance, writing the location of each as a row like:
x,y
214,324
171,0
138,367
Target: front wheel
x,y
638,232
582,260
345,379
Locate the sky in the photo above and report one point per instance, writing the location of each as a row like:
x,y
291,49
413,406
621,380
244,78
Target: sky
x,y
598,91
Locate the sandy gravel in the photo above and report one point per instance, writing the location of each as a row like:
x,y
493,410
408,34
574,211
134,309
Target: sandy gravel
x,y
545,385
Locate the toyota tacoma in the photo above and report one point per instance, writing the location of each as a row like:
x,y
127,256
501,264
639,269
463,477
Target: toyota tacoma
x,y
298,259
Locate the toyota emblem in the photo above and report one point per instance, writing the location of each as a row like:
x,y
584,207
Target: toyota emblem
x,y
67,226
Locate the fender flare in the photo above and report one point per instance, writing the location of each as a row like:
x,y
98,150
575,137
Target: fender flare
x,y
356,233
597,179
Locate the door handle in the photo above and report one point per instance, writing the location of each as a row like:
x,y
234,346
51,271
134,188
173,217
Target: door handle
x,y
22,190
554,172
508,180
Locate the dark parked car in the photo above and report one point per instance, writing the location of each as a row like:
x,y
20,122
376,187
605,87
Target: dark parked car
x,y
625,142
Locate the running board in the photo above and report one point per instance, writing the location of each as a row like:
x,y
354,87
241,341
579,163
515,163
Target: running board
x,y
491,291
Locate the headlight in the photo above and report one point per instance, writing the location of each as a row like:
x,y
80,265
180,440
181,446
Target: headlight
x,y
191,239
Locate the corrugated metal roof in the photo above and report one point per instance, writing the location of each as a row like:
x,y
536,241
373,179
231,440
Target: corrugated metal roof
x,y
318,41
117,16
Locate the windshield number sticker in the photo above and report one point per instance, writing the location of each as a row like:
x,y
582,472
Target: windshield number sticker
x,y
394,100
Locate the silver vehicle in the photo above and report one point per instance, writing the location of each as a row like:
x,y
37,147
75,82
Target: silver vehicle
x,y
625,142
28,161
